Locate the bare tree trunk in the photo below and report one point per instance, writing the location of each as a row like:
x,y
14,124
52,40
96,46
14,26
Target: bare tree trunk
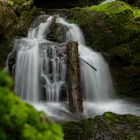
x,y
75,94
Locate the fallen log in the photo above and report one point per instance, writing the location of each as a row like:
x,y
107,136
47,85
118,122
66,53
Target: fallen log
x,y
74,90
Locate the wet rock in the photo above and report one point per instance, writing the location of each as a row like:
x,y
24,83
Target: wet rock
x,y
52,56
109,126
57,33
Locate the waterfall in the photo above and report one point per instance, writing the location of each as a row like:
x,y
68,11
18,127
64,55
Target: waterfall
x,y
96,85
39,65
26,76
40,71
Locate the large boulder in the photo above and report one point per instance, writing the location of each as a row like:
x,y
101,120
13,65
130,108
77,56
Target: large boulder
x,y
109,126
113,29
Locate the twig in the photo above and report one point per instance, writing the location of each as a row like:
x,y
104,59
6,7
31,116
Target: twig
x,y
88,64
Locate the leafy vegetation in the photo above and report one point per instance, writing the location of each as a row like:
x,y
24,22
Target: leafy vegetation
x,y
19,120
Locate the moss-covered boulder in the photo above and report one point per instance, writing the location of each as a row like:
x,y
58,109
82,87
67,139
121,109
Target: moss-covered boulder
x,y
13,23
109,126
113,29
19,120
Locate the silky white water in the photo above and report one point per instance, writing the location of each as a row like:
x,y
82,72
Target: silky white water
x,y
41,73
106,1
96,85
26,77
39,65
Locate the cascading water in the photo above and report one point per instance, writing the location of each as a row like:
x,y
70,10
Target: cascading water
x,y
96,85
26,76
41,70
36,52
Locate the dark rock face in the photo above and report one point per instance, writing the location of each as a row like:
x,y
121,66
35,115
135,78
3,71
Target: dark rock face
x,y
109,126
52,4
137,3
57,33
12,25
133,2
56,3
113,29
1,32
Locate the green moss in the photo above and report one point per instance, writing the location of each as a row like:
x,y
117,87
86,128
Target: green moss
x,y
82,130
112,7
18,120
5,80
107,126
13,23
20,5
113,28
110,116
107,25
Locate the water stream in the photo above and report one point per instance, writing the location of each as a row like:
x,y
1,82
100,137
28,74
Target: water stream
x,y
41,72
96,84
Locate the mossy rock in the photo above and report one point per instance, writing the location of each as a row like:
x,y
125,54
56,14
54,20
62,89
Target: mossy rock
x,y
109,126
12,25
107,25
113,29
20,5
19,120
7,21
